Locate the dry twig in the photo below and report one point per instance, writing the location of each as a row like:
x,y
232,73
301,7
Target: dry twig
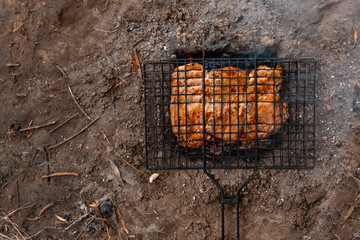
x,y
139,40
352,208
136,63
82,231
77,103
124,80
68,139
122,158
76,221
46,207
21,231
122,220
113,87
37,127
27,205
196,17
60,174
56,128
96,206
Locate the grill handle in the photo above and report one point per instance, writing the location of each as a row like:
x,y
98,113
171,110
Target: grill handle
x,y
229,200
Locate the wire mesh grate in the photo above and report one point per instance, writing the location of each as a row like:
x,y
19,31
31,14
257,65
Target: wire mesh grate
x,y
230,130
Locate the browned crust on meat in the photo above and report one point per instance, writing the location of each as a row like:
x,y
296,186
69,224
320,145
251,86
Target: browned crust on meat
x,y
230,104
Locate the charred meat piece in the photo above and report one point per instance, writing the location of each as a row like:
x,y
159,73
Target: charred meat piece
x,y
237,105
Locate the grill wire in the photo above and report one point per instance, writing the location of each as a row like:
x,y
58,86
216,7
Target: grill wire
x,y
291,147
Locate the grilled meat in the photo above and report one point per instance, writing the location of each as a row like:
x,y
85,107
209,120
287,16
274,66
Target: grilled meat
x,y
232,107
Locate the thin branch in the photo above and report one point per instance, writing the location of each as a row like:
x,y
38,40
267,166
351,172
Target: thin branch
x,y
36,127
27,205
139,39
56,128
195,18
77,103
122,158
68,139
78,236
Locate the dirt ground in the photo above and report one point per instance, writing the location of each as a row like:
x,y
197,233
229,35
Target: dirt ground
x,y
91,41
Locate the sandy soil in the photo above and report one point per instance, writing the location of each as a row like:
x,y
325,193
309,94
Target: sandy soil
x,y
91,41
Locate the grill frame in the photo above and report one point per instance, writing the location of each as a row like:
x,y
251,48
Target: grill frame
x,y
298,90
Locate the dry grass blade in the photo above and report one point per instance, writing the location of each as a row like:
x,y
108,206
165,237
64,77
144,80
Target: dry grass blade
x,y
64,123
196,17
139,39
77,103
46,207
355,36
68,139
136,62
60,174
122,158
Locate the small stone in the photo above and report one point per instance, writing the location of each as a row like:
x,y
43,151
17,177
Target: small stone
x,y
324,138
173,56
245,201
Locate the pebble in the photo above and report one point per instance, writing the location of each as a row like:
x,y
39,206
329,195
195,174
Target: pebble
x,y
324,138
245,201
328,107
